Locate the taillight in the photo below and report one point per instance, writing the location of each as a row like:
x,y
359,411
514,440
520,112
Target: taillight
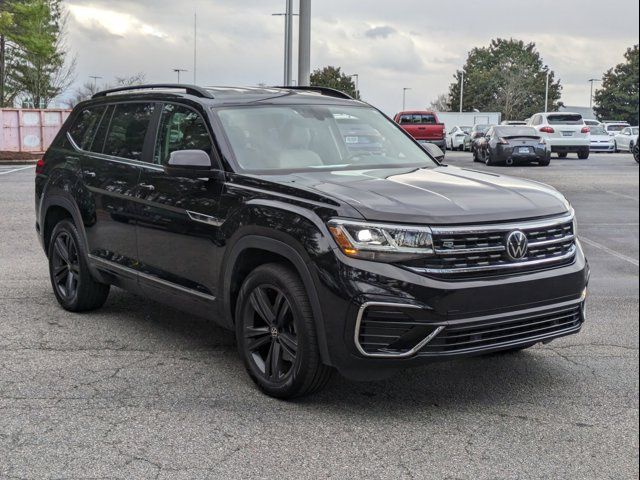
x,y
40,166
585,130
547,130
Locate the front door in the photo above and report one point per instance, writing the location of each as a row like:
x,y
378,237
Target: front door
x,y
178,225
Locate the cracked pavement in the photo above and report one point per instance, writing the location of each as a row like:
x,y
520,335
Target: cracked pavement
x,y
137,390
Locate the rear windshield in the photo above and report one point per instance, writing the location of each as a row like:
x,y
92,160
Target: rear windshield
x,y
616,127
517,132
565,119
597,130
418,119
482,128
466,129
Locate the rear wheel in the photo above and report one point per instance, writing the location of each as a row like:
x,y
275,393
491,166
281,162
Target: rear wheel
x,y
488,158
636,153
562,155
583,154
546,161
275,333
74,287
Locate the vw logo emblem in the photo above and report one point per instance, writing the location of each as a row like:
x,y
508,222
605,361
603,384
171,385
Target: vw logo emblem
x,y
517,245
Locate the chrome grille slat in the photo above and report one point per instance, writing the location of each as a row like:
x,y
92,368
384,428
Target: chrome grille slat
x,y
479,250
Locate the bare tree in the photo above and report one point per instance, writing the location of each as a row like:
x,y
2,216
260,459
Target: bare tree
x,y
441,103
88,89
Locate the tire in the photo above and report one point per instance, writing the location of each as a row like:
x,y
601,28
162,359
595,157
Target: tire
x,y
461,148
563,155
546,162
636,153
275,333
74,287
474,152
615,148
488,160
583,155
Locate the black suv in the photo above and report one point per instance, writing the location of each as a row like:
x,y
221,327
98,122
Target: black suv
x,y
323,249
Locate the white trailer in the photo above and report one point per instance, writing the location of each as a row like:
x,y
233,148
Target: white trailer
x,y
468,119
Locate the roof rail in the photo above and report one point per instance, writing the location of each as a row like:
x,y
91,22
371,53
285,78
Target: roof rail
x,y
189,89
329,92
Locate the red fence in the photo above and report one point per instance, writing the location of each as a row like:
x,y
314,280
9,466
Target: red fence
x,y
29,130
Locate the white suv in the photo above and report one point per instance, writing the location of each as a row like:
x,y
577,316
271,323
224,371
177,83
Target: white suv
x,y
564,133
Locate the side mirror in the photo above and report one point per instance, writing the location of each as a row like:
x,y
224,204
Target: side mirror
x,y
190,164
434,151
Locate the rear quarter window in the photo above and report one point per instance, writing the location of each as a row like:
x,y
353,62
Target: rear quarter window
x,y
85,125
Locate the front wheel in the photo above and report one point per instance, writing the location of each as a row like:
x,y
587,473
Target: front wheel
x,y
74,287
275,333
562,155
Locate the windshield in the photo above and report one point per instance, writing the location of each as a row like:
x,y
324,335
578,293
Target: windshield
x,y
565,119
316,137
616,127
597,130
517,131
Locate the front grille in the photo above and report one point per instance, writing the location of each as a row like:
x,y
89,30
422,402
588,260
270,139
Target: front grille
x,y
470,337
479,251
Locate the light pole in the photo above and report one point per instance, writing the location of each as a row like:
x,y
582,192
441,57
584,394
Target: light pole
x,y
288,41
95,80
404,98
304,47
591,80
179,71
546,94
357,82
461,89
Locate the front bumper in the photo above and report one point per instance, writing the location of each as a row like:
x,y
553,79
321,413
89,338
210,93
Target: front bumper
x,y
451,318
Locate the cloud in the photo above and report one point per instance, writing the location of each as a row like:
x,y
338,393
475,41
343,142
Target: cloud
x,y
380,32
115,23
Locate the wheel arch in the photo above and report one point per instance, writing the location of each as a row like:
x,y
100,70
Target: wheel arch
x,y
253,250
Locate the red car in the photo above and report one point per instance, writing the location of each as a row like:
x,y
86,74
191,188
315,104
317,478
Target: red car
x,y
424,126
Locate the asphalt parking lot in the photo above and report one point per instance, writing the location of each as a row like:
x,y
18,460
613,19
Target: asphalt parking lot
x,y
137,390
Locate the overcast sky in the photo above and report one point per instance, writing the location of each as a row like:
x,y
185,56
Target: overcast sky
x,y
390,44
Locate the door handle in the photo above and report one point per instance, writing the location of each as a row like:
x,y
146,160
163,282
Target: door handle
x,y
145,186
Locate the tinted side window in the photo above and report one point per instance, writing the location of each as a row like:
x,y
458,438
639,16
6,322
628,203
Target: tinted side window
x,y
85,125
180,129
128,129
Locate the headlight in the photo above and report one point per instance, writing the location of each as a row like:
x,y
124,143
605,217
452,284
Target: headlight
x,y
575,226
381,242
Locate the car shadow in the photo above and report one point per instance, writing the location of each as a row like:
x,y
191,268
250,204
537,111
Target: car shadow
x,y
476,381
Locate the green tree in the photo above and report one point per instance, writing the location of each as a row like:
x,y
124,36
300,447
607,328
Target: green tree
x,y
508,76
332,77
618,97
35,61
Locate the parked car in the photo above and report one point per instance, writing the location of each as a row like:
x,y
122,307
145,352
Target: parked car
x,y
457,136
564,133
476,136
509,145
592,123
625,139
601,141
513,122
614,127
424,126
245,207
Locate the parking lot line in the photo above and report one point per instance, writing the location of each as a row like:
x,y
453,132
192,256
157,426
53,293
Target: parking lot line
x,y
17,170
599,246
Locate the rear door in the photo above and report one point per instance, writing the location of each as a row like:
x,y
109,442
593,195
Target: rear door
x,y
178,225
111,167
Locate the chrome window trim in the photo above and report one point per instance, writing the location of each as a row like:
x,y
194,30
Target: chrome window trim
x,y
407,354
152,278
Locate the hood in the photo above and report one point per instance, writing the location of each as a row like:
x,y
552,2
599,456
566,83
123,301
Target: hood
x,y
441,195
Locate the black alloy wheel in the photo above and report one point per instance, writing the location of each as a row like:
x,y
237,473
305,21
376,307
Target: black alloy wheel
x,y
65,266
636,153
275,333
73,285
270,333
